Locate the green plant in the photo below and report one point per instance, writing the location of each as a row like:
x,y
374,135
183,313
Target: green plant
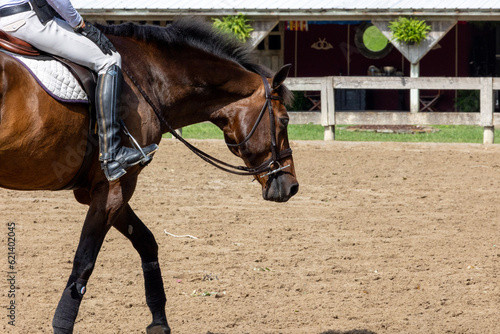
x,y
467,101
409,30
237,25
299,102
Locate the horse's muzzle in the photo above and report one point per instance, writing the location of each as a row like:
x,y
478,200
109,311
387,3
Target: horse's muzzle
x,y
280,187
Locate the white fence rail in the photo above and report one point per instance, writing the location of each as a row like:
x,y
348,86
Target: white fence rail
x,y
328,117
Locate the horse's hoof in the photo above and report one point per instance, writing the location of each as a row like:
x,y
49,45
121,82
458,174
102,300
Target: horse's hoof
x,y
157,329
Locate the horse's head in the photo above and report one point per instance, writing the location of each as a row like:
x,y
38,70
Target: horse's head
x,y
196,74
258,135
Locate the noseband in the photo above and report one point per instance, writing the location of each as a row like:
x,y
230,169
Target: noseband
x,y
271,165
276,154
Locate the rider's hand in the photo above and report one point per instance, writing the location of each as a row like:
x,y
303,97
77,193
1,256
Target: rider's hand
x,y
95,35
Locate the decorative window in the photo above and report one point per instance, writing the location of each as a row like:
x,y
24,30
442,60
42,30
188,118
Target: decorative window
x,y
371,42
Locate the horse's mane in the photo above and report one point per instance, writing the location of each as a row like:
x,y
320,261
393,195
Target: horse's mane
x,y
198,34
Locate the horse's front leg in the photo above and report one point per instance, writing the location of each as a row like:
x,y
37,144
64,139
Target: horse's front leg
x,y
144,242
94,230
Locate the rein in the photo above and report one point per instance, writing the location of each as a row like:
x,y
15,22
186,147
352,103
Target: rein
x,y
266,166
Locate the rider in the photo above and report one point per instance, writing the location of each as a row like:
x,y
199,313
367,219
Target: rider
x,y
55,27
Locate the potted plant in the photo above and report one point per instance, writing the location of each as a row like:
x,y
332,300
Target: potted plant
x,y
236,25
409,30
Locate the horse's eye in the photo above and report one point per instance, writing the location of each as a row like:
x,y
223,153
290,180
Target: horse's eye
x,y
284,120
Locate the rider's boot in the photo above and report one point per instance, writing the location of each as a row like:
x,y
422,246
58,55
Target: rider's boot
x,y
115,159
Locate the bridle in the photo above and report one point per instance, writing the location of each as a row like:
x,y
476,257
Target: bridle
x,y
271,165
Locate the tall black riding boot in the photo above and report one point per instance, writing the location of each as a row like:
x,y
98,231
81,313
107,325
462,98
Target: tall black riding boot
x,y
115,159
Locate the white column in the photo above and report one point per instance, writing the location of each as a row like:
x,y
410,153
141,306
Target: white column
x,y
414,93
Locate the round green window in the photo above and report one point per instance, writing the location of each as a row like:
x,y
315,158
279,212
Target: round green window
x,y
371,42
374,40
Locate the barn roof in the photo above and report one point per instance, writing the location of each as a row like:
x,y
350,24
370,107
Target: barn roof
x,y
289,4
296,9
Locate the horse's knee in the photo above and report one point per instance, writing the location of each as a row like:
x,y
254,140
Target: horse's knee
x,y
83,268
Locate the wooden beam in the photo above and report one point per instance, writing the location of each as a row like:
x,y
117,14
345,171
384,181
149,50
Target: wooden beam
x,y
406,118
260,30
444,83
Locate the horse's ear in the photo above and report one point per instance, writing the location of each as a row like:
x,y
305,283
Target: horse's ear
x,y
281,75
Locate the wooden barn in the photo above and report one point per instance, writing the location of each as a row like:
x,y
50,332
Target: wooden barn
x,y
325,38
329,39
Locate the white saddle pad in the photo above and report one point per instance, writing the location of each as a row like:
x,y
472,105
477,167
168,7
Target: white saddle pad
x,y
55,78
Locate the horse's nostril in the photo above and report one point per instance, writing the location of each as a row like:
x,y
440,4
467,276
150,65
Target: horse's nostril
x,y
294,189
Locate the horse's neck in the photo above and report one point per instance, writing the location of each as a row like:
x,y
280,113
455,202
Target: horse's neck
x,y
205,91
188,86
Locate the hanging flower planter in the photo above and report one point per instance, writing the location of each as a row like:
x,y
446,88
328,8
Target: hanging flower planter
x,y
237,25
409,31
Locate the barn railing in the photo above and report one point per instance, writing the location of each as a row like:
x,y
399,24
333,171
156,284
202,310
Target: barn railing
x,y
329,117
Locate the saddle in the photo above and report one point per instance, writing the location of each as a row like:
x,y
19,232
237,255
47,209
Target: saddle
x,y
16,45
85,76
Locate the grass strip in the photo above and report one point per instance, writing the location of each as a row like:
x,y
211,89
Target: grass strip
x,y
446,134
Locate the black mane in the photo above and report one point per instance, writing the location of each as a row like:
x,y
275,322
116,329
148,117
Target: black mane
x,y
196,33
193,32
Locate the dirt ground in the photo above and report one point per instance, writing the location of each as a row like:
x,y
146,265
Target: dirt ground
x,y
381,238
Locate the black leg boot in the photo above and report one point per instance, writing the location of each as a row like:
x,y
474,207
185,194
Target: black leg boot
x,y
67,309
115,159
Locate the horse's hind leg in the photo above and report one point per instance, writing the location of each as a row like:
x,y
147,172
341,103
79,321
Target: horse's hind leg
x,y
144,242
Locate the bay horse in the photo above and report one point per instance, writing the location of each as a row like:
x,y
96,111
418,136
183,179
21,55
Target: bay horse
x,y
175,76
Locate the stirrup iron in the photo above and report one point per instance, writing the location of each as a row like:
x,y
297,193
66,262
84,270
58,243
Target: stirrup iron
x,y
145,158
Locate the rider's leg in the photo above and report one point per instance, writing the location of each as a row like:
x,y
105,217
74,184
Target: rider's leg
x,y
57,37
115,159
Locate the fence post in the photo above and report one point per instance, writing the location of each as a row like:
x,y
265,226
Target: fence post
x,y
486,104
328,108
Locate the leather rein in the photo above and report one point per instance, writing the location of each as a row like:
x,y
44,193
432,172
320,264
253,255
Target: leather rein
x,y
271,165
